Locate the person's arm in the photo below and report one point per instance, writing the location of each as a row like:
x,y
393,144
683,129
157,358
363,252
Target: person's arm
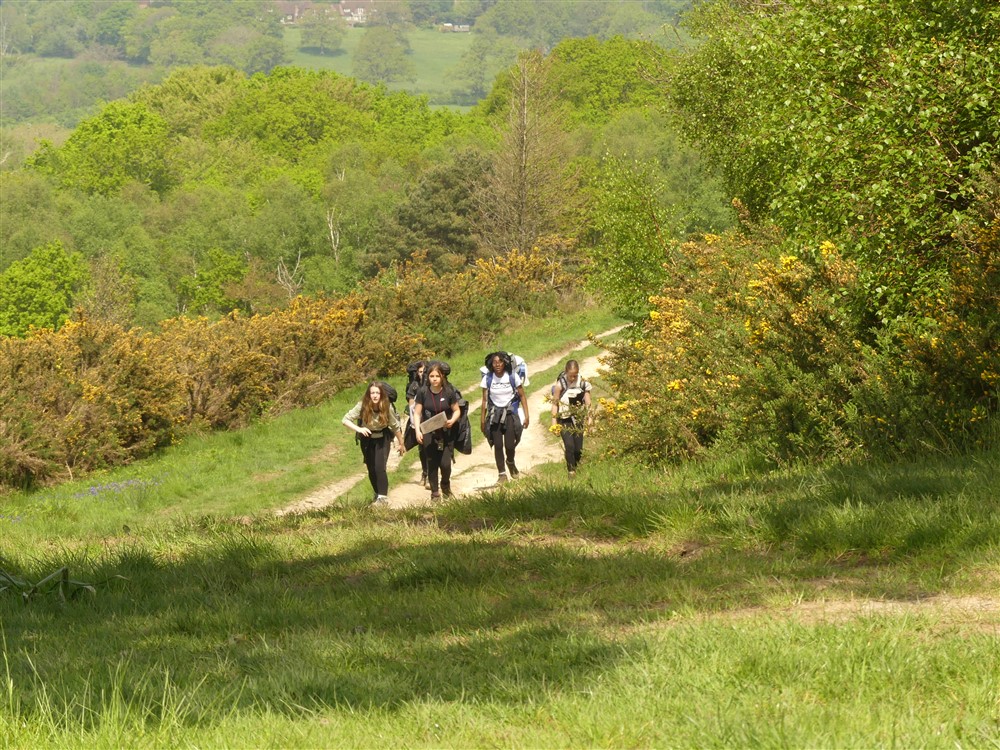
x,y
482,413
524,404
456,413
351,420
397,429
418,417
556,395
586,404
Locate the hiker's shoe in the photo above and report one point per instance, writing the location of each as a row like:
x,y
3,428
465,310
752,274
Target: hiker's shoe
x,y
514,473
502,479
446,490
572,473
425,481
381,501
435,496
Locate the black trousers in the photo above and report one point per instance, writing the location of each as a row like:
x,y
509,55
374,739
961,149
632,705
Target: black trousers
x,y
572,443
439,460
375,451
504,437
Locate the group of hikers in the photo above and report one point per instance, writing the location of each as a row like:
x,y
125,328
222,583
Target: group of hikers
x,y
437,422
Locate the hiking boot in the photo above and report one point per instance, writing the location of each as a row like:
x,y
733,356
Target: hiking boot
x,y
502,479
425,481
446,490
514,473
381,501
572,473
435,496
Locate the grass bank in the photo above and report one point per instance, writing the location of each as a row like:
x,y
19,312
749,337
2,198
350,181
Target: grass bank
x,y
716,605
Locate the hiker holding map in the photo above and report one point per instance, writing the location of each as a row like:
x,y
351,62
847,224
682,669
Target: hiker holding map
x,y
435,412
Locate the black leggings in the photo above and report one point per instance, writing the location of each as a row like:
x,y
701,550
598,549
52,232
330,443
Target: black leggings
x,y
572,443
504,438
375,451
439,459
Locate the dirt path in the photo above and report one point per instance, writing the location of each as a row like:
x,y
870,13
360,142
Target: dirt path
x,y
476,471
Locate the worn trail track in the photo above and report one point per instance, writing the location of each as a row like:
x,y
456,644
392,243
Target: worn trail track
x,y
476,471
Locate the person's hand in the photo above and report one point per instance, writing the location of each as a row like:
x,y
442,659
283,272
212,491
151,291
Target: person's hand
x,y
420,437
527,421
450,422
365,431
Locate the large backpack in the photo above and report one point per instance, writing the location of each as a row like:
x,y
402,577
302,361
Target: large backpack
x,y
411,370
512,363
516,401
563,383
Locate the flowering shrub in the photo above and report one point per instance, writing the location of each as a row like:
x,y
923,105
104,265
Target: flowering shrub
x,y
93,395
752,344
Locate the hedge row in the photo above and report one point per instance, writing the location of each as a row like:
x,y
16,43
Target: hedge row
x,y
93,395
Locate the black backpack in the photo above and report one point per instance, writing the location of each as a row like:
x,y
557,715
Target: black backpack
x,y
411,370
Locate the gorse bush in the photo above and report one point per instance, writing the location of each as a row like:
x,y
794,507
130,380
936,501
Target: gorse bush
x,y
756,343
93,394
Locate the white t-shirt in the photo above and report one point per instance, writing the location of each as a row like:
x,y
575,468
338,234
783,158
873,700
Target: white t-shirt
x,y
573,395
501,394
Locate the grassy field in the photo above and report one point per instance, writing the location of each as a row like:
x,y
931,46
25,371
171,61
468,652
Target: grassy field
x,y
433,54
717,605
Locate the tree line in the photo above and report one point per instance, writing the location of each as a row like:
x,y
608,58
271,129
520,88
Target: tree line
x,y
214,191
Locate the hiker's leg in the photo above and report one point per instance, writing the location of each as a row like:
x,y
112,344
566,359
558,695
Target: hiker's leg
x,y
446,455
497,435
577,448
381,453
371,461
510,437
568,442
433,465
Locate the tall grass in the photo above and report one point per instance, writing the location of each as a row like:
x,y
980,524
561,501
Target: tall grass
x,y
719,604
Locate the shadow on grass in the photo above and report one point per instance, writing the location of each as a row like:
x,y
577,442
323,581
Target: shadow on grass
x,y
946,507
377,612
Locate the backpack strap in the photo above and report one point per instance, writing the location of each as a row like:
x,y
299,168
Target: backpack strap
x,y
514,402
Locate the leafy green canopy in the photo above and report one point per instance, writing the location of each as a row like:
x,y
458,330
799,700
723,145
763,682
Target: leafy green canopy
x,y
873,123
37,292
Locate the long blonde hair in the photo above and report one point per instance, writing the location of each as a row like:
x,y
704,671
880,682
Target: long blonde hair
x,y
369,411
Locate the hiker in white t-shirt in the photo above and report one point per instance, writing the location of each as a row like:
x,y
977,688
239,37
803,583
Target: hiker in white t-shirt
x,y
503,394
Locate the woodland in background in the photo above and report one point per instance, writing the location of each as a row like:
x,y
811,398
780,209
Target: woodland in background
x,y
852,313
856,311
184,222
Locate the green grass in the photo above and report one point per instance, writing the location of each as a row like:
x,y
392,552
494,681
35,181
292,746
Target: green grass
x,y
263,467
433,54
714,605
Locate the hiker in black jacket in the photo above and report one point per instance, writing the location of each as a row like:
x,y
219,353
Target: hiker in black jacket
x,y
434,398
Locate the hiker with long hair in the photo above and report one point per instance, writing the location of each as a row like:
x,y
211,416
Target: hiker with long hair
x,y
436,397
375,421
499,418
571,412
